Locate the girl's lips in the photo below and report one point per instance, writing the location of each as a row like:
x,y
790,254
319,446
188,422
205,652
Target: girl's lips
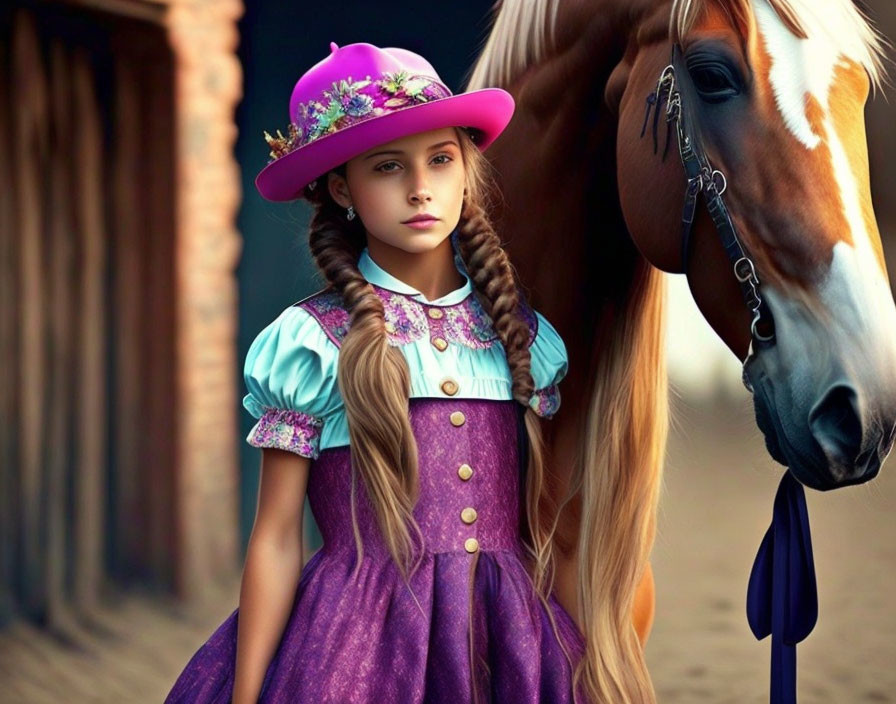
x,y
422,224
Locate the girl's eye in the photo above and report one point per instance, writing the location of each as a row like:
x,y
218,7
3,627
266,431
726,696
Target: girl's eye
x,y
390,166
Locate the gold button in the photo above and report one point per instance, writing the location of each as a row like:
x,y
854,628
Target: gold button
x,y
457,418
449,386
390,326
439,343
435,313
465,471
468,515
471,545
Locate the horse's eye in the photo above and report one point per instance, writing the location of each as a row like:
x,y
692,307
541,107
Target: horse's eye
x,y
714,81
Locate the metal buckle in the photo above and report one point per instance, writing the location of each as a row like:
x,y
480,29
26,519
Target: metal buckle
x,y
695,185
673,104
755,333
667,77
749,271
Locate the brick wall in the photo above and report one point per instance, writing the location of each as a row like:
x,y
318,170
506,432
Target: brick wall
x,y
208,84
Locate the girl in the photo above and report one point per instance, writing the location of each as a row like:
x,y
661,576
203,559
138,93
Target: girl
x,y
405,398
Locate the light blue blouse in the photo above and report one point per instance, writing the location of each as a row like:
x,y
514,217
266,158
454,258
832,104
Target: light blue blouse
x,y
290,371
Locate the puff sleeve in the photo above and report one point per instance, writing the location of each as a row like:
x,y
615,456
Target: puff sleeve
x,y
290,374
549,365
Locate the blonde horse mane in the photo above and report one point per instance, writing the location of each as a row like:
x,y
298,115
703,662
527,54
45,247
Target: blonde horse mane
x,y
620,455
521,33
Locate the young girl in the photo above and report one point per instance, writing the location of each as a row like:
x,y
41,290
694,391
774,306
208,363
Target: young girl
x,y
405,398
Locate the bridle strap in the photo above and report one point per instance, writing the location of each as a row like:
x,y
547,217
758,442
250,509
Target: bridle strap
x,y
702,178
782,598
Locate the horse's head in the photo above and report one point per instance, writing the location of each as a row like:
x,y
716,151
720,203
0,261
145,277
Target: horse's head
x,y
773,92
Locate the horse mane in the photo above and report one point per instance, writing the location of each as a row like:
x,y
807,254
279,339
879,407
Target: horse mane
x,y
519,37
618,471
839,22
521,33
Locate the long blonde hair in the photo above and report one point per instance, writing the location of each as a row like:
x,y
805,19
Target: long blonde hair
x,y
374,379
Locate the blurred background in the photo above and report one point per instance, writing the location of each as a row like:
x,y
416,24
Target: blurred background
x,y
137,263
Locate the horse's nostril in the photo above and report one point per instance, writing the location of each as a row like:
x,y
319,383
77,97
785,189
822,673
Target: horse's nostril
x,y
836,425
864,458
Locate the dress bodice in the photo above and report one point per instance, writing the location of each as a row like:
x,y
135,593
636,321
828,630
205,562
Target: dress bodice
x,y
450,345
468,468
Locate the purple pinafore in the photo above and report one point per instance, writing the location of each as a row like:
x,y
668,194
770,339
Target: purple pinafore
x,y
469,612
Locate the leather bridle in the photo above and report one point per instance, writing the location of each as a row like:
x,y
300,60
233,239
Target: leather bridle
x,y
712,183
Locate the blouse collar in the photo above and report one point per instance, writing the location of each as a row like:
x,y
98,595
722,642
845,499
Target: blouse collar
x,y
378,276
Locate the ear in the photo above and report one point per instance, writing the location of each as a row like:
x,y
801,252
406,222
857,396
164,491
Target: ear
x,y
338,187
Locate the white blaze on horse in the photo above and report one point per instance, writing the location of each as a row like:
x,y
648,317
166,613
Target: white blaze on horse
x,y
771,94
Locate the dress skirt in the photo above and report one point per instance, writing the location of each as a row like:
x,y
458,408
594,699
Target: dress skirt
x,y
466,627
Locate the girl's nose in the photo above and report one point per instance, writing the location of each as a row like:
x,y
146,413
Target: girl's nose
x,y
420,195
419,187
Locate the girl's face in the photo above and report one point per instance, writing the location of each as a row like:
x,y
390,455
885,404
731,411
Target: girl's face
x,y
422,174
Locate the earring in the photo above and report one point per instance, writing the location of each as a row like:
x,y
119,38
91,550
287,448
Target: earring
x,y
350,213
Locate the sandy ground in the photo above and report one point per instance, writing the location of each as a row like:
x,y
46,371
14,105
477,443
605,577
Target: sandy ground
x,y
718,493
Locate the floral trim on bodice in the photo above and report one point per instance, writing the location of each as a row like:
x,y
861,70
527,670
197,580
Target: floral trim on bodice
x,y
326,307
465,323
286,429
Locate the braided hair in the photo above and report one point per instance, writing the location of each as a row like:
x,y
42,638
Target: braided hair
x,y
374,379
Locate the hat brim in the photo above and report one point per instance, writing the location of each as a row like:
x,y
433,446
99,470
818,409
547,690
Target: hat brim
x,y
487,110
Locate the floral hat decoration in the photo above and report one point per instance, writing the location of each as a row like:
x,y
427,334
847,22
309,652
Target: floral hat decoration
x,y
361,96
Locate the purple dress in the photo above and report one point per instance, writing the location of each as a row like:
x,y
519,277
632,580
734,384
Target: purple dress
x,y
468,618
369,640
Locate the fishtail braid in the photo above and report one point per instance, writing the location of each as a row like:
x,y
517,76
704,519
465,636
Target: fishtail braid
x,y
489,268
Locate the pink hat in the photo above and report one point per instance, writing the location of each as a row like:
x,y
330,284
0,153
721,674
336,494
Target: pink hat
x,y
361,96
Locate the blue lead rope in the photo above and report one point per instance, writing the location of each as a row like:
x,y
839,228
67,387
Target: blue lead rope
x,y
782,598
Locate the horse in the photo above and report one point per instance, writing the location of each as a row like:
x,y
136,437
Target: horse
x,y
772,92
